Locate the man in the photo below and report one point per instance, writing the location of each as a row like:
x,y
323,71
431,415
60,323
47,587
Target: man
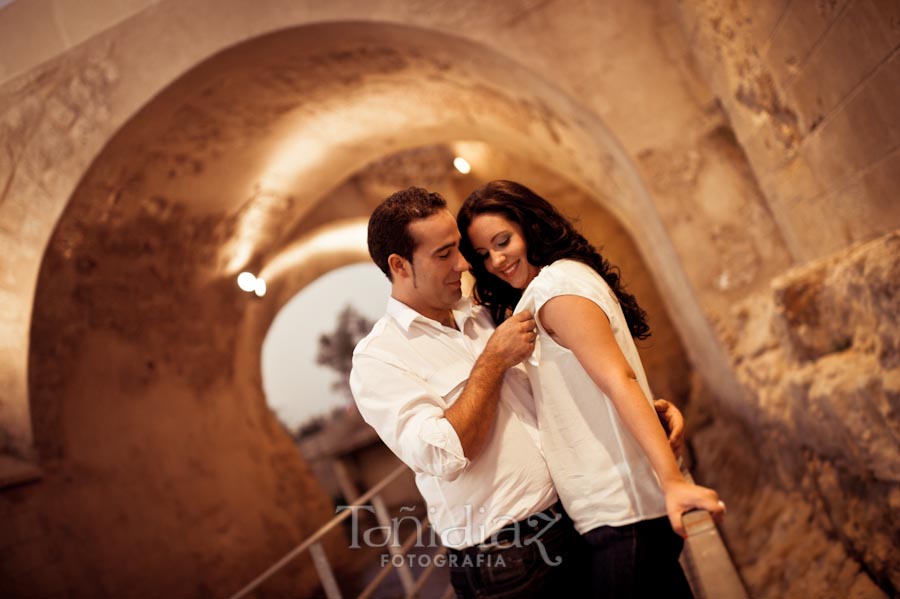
x,y
445,392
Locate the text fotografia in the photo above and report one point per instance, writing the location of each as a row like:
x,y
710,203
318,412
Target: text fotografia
x,y
506,534
423,560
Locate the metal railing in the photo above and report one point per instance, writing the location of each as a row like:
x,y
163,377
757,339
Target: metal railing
x,y
706,561
411,586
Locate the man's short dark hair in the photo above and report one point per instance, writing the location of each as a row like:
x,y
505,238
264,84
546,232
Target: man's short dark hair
x,y
389,224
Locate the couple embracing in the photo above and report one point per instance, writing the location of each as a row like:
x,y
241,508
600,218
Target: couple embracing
x,y
524,410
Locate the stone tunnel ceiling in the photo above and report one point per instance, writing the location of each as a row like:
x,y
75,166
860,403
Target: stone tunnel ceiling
x,y
255,135
230,159
219,171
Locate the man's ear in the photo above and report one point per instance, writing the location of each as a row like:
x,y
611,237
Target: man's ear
x,y
400,266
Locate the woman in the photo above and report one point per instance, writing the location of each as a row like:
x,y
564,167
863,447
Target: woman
x,y
607,452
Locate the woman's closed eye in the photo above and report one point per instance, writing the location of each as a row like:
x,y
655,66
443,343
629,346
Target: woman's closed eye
x,y
499,244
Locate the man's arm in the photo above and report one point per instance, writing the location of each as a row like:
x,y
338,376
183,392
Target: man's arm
x,y
416,423
473,414
672,421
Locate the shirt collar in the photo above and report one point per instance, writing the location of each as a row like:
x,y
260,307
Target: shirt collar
x,y
405,316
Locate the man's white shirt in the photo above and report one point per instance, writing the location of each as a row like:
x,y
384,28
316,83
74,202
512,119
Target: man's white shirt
x,y
406,373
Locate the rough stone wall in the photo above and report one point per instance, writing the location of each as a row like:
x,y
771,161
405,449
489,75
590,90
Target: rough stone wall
x,y
810,462
61,106
717,216
806,88
811,91
158,471
34,32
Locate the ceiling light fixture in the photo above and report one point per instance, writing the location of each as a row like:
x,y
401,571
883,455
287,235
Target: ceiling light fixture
x,y
462,165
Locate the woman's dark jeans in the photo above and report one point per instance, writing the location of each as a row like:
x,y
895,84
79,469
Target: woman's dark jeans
x,y
637,561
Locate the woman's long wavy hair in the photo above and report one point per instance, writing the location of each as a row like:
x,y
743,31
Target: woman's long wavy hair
x,y
549,237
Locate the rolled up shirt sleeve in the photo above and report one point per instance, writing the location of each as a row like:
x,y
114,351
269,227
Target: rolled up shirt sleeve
x,y
408,415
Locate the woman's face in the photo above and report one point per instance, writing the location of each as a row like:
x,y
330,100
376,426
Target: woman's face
x,y
500,244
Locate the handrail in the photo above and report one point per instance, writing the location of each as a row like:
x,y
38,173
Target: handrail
x,y
290,555
423,578
379,578
708,565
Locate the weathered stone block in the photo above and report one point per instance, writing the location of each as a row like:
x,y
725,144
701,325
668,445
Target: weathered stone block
x,y
799,317
825,307
800,29
844,417
764,18
889,20
861,133
851,50
868,207
13,212
825,423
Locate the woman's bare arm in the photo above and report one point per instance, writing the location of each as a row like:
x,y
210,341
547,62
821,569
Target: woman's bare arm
x,y
581,326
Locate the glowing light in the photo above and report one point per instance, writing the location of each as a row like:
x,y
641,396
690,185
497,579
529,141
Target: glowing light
x,y
260,288
342,236
247,281
462,165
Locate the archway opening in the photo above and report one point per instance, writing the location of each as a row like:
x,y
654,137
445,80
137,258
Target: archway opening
x,y
298,387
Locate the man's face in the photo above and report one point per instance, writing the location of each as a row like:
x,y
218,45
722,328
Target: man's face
x,y
437,265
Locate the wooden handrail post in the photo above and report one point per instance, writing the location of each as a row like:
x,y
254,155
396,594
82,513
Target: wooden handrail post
x,y
323,568
707,563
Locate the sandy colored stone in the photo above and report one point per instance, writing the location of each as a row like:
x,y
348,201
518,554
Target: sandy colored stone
x,y
823,416
732,142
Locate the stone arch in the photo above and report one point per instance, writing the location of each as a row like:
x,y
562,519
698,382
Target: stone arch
x,y
670,80
203,181
563,134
